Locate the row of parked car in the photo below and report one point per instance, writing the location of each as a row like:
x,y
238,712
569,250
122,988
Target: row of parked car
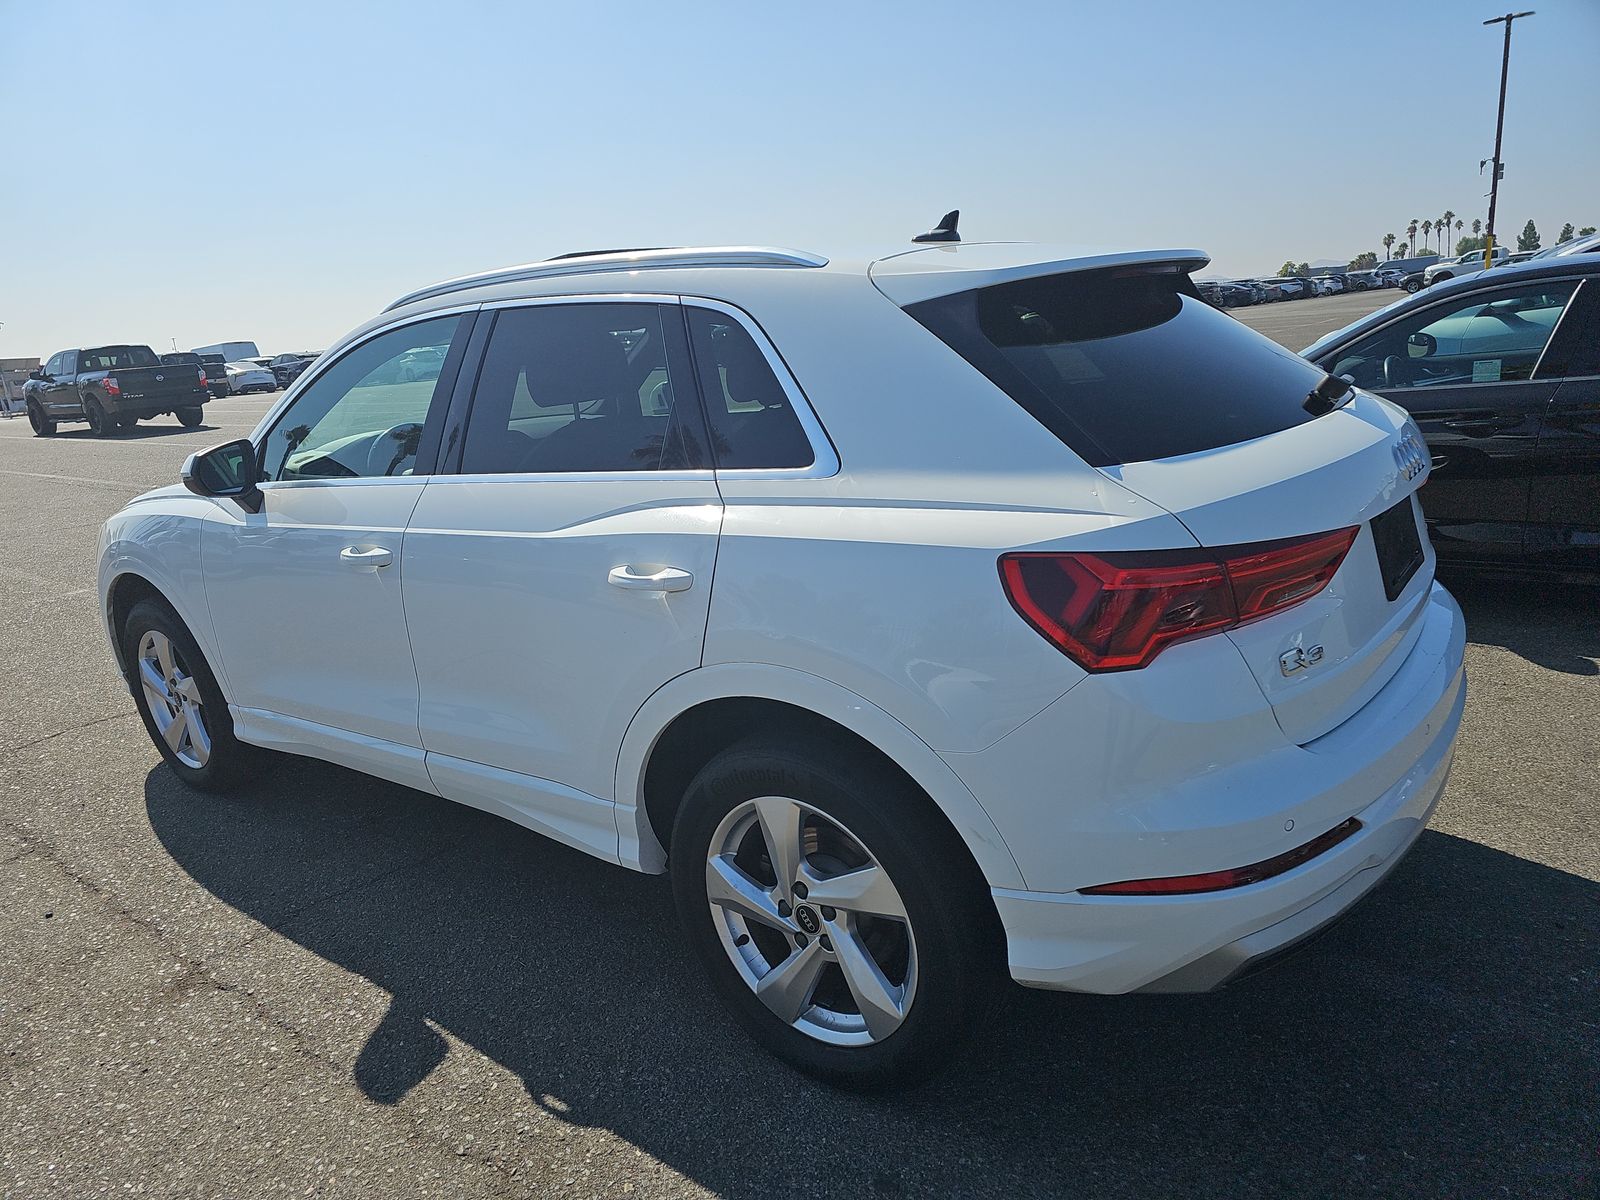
x,y
1238,293
1410,275
115,387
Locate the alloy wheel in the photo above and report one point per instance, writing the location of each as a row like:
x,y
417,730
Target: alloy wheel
x,y
811,921
172,695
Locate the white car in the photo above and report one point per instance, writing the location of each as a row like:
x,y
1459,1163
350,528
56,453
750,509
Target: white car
x,y
981,609
246,377
1461,264
1328,285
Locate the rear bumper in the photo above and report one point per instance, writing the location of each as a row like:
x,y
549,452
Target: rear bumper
x,y
155,408
1387,767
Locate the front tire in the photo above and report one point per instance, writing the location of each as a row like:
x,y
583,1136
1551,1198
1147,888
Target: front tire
x,y
838,916
179,701
190,418
41,425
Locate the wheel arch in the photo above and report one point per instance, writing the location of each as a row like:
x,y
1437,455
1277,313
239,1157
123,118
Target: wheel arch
x,y
697,714
126,582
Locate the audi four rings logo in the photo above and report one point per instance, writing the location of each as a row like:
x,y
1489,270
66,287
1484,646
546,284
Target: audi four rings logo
x,y
1409,455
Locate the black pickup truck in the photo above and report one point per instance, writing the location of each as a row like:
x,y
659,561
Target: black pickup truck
x,y
113,387
216,370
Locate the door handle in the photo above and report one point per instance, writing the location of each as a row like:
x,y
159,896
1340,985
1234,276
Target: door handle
x,y
1477,426
371,559
667,579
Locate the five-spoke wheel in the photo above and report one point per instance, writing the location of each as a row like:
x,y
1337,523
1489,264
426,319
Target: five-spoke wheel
x,y
811,922
174,699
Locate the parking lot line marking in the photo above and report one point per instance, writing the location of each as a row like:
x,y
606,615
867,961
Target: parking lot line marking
x,y
81,479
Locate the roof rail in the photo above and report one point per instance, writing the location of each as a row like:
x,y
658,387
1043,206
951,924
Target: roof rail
x,y
622,260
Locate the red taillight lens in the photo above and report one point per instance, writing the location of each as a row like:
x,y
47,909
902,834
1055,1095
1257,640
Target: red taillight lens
x,y
1216,881
202,379
111,386
1116,612
1272,576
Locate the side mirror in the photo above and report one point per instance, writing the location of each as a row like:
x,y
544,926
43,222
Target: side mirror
x,y
38,373
225,471
1421,345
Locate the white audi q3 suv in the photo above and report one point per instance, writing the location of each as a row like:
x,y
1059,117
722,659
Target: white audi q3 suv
x,y
981,609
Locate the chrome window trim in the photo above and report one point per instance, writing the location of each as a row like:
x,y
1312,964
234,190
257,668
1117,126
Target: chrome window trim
x,y
824,457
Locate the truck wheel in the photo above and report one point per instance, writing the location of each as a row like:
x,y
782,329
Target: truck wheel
x,y
41,425
99,424
189,418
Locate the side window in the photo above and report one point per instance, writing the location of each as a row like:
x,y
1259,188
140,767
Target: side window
x,y
53,367
752,423
364,415
1575,348
580,387
69,362
1489,338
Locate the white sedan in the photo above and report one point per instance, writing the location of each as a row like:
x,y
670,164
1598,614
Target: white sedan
x,y
245,377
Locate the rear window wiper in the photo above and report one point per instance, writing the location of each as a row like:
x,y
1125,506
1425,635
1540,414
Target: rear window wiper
x,y
1333,392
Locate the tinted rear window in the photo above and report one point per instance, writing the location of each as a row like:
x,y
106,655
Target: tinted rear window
x,y
1125,366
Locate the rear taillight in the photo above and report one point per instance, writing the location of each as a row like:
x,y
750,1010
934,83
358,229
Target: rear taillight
x,y
1116,612
110,385
202,379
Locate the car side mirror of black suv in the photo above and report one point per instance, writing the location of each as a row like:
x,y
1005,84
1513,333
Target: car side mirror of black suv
x,y
228,471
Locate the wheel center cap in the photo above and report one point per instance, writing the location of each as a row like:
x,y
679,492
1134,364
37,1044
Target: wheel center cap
x,y
806,917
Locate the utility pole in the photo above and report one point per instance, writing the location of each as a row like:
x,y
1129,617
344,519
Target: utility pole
x,y
1499,129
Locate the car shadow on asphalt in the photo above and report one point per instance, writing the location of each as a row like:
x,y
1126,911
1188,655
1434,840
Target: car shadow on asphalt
x,y
1550,624
1440,1039
144,431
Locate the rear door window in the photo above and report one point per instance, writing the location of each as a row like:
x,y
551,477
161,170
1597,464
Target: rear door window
x,y
583,387
1125,364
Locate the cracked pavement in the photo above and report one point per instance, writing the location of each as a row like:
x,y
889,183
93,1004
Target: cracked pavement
x,y
336,986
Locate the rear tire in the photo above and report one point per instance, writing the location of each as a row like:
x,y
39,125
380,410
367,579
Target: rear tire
x,y
189,418
41,425
182,692
928,972
99,423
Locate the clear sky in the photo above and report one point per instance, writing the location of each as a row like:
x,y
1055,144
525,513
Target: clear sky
x,y
279,171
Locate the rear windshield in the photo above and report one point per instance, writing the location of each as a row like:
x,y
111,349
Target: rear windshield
x,y
1125,365
112,358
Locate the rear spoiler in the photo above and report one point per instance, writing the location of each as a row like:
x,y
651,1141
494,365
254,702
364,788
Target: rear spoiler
x,y
925,274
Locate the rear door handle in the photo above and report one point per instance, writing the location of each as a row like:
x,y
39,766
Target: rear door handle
x,y
1481,425
371,559
667,579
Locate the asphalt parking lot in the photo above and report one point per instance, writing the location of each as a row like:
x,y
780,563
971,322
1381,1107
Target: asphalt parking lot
x,y
337,986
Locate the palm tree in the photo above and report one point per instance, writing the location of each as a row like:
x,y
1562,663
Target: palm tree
x,y
1388,240
1460,225
1477,227
1444,223
1411,232
1427,228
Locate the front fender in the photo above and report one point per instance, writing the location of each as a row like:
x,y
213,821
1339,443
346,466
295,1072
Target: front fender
x,y
638,844
159,541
